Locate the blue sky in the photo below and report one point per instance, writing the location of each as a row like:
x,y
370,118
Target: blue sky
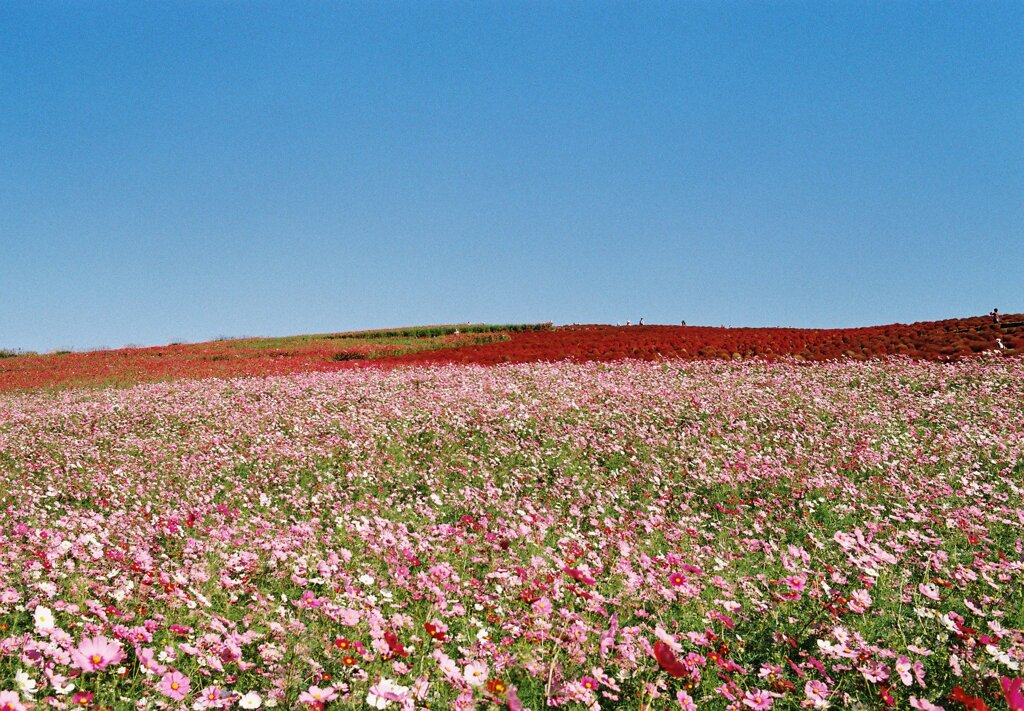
x,y
187,170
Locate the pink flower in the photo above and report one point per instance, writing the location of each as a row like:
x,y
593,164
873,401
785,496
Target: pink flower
x,y
723,618
817,694
757,700
542,607
924,704
796,583
175,685
210,697
315,696
513,702
676,579
860,600
919,673
903,669
139,635
685,701
97,653
875,672
146,660
9,701
475,673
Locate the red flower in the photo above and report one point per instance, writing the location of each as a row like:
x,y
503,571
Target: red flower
x,y
394,645
667,659
434,632
971,703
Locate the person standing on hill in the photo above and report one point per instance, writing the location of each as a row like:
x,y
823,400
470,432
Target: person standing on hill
x,y
995,316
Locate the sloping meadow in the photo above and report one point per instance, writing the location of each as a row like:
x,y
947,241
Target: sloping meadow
x,y
637,535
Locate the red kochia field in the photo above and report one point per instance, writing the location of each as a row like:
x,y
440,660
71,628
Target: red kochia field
x,y
934,340
950,340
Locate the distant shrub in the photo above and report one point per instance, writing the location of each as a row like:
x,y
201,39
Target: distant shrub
x,y
348,355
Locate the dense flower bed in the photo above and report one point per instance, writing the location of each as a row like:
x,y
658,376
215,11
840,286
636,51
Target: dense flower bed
x,y
667,535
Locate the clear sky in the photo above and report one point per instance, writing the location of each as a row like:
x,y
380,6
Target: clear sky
x,y
186,170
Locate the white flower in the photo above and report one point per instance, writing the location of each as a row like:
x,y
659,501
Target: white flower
x,y
44,619
251,700
26,684
1001,657
384,692
366,579
60,687
376,702
475,673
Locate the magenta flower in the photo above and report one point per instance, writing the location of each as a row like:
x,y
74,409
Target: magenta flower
x,y
175,685
82,698
1013,690
97,653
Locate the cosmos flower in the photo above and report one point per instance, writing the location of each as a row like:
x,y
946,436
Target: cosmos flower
x,y
250,700
315,696
385,692
175,685
475,673
1013,692
95,654
757,700
686,702
43,618
10,701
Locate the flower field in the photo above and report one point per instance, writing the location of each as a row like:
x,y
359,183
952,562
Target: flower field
x,y
645,535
